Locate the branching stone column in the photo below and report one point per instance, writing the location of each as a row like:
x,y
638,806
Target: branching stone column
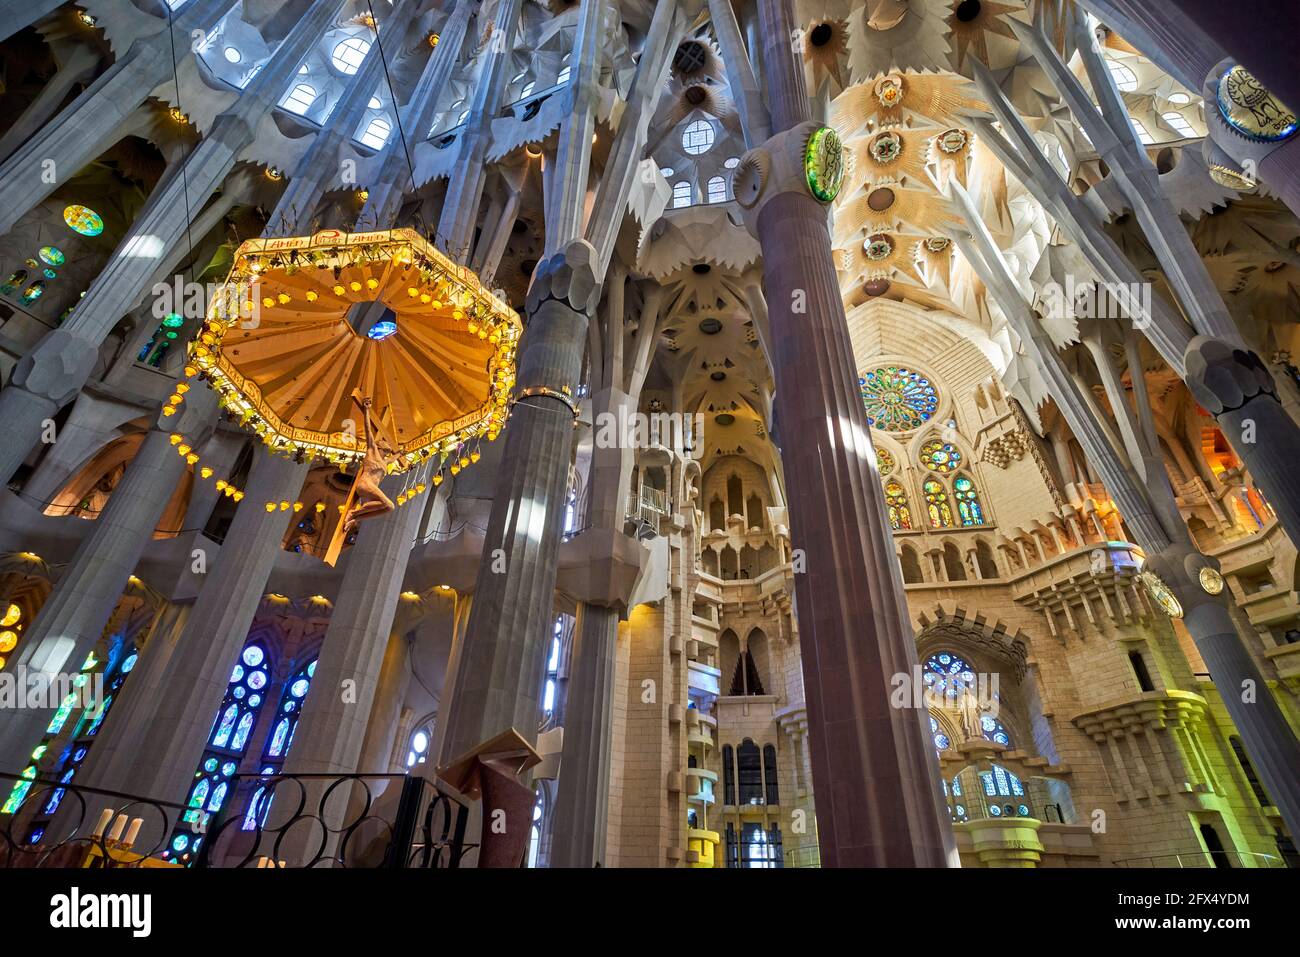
x,y
1168,546
94,120
875,772
73,618
60,363
161,762
498,678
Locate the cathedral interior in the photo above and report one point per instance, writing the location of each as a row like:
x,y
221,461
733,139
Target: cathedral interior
x,y
648,433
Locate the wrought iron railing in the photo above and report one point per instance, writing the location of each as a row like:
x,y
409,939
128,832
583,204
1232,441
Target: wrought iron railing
x,y
331,820
302,820
50,826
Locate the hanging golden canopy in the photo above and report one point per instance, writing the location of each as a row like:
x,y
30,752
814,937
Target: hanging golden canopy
x,y
302,323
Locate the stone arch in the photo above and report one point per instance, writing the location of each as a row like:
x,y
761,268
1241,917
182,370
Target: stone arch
x,y
953,565
911,564
759,650
984,560
709,561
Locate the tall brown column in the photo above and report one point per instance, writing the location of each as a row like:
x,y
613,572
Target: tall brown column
x,y
875,772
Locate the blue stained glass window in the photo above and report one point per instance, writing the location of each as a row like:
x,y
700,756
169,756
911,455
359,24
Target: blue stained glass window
x,y
941,741
279,738
948,673
279,742
214,781
968,502
994,731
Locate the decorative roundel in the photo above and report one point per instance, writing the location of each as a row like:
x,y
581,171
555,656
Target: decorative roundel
x,y
83,220
823,163
1251,110
52,255
884,461
879,247
889,90
886,147
952,141
748,179
937,244
1211,580
940,456
1161,594
897,399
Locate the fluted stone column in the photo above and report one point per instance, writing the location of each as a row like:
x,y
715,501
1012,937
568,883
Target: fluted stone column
x,y
579,824
161,762
53,372
93,121
497,682
73,617
874,770
334,718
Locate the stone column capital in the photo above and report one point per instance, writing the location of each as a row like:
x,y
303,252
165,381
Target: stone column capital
x,y
773,169
569,277
1223,377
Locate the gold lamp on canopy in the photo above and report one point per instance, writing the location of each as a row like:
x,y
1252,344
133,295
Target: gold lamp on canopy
x,y
305,325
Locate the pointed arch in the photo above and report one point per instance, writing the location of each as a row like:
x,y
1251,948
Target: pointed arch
x,y
936,503
969,509
900,514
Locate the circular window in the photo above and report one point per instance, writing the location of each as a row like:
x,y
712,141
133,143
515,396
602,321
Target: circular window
x,y
897,399
349,55
232,55
83,220
697,138
940,456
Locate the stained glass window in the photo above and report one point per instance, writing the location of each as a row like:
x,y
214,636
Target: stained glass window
x,y
941,741
999,782
936,503
900,516
948,674
884,461
231,728
994,731
77,745
52,256
33,292
279,741
968,502
83,220
897,399
940,456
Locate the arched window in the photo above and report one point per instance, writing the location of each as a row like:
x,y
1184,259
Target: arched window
x,y
900,516
562,77
552,667
1001,783
911,566
376,133
993,730
749,767
1143,135
769,774
936,502
1178,123
968,501
349,54
948,674
535,829
941,740
155,350
717,190
697,138
728,775
681,194
300,99
279,740
527,91
226,746
1125,78
417,751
